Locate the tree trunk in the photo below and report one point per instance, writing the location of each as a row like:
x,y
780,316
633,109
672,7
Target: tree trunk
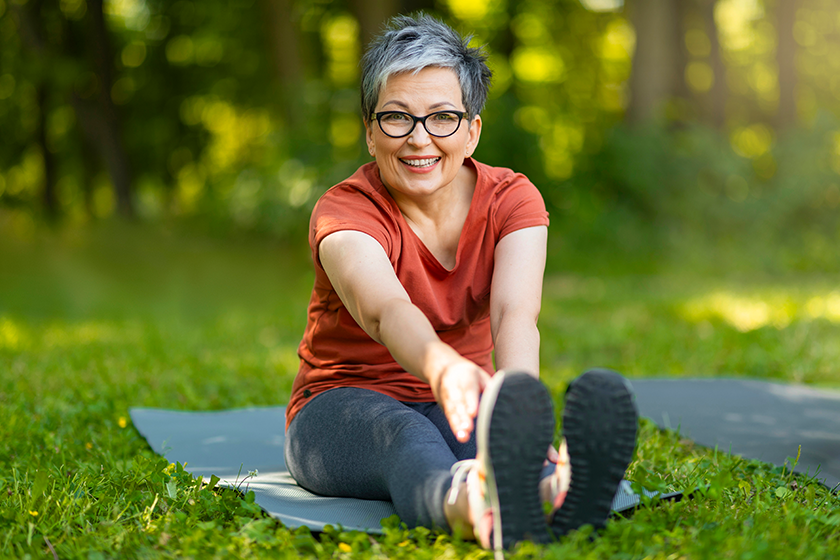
x,y
286,50
284,40
33,37
786,115
372,16
719,92
102,122
682,9
48,196
652,79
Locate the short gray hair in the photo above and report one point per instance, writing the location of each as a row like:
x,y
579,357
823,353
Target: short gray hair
x,y
412,43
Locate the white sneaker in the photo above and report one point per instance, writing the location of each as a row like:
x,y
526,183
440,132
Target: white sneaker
x,y
514,428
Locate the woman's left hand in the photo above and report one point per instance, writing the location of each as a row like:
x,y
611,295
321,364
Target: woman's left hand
x,y
457,389
552,456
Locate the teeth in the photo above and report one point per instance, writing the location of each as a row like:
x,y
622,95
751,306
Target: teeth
x,y
420,162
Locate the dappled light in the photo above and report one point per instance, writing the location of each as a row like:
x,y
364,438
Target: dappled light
x,y
200,106
12,336
748,312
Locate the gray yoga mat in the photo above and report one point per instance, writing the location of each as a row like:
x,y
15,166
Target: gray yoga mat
x,y
232,443
753,419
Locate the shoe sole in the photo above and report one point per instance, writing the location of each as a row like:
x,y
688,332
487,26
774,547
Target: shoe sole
x,y
515,428
600,422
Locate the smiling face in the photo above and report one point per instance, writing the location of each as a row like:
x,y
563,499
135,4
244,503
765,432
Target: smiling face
x,y
420,165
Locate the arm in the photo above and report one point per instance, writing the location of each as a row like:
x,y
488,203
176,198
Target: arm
x,y
364,279
515,299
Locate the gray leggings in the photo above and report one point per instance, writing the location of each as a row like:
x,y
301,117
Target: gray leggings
x,y
358,443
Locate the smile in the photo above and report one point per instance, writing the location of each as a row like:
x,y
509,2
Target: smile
x,y
420,162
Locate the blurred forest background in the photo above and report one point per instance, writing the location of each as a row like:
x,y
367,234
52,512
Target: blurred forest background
x,y
652,127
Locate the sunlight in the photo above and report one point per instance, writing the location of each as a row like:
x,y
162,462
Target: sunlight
x,y
341,43
752,141
745,313
750,312
11,334
538,64
603,5
734,19
133,14
345,130
468,10
180,50
133,54
824,307
618,41
86,333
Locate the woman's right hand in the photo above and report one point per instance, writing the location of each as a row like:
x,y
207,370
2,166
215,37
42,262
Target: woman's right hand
x,y
457,389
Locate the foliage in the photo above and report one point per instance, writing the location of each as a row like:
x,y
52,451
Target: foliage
x,y
96,320
220,130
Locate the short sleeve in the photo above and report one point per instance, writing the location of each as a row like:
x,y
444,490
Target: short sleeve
x,y
518,205
346,207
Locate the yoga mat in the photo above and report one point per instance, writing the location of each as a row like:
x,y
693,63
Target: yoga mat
x,y
231,443
753,419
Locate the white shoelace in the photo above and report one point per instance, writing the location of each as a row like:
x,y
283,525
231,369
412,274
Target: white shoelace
x,y
460,471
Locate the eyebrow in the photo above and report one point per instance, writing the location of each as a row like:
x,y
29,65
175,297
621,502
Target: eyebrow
x,y
434,106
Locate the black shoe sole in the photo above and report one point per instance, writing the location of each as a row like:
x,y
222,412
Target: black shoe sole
x,y
600,422
521,427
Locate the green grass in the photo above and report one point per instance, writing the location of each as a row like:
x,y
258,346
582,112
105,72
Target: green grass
x,y
95,321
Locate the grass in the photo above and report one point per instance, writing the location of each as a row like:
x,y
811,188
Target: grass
x,y
98,320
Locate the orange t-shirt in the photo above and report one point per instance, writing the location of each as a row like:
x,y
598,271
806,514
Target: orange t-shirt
x,y
336,352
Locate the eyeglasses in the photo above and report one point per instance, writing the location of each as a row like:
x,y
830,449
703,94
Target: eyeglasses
x,y
440,124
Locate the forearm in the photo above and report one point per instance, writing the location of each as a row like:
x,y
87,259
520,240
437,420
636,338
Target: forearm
x,y
517,343
413,342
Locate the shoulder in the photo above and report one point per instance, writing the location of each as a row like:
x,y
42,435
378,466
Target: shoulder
x,y
359,204
359,196
513,202
501,182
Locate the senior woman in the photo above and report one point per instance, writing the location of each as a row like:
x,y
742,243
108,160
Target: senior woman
x,y
427,263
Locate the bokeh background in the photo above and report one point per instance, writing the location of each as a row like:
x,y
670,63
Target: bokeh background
x,y
704,130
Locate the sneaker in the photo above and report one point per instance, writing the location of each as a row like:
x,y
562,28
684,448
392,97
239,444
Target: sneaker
x,y
599,426
514,428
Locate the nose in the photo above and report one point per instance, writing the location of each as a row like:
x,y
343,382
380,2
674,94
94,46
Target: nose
x,y
419,135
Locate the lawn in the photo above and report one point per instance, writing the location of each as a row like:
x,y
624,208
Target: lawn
x,y
94,321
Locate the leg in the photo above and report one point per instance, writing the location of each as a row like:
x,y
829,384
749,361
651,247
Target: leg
x,y
434,413
359,443
599,427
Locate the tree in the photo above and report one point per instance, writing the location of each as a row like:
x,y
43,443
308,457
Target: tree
x,y
98,118
785,11
653,77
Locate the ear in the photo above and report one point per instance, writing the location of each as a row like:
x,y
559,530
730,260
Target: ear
x,y
369,138
474,135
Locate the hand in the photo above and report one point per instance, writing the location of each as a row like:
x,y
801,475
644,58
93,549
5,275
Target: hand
x,y
552,456
457,391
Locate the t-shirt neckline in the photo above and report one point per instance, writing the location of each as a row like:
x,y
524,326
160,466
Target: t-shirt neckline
x,y
427,253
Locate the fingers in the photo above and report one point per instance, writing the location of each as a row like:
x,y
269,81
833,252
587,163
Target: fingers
x,y
460,388
552,456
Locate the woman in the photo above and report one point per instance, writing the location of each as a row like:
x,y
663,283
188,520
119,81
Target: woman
x,y
426,263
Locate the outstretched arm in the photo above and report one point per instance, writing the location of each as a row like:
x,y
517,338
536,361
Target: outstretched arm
x,y
515,299
364,279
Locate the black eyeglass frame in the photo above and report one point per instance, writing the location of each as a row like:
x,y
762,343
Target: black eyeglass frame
x,y
378,118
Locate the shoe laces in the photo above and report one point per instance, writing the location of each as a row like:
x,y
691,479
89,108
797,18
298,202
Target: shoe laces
x,y
460,471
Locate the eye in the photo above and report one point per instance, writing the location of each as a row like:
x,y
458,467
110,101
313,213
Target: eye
x,y
445,117
395,117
